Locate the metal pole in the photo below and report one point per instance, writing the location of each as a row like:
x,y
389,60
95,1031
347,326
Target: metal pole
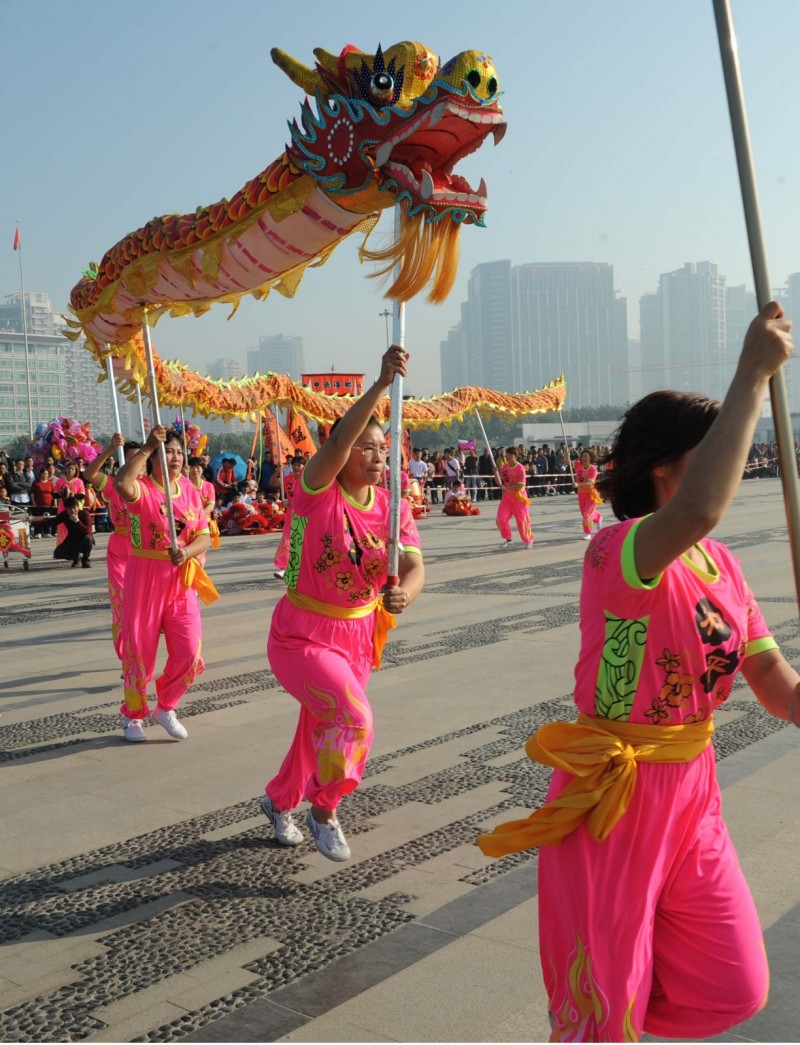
x,y
141,413
183,436
115,407
162,453
488,447
566,444
25,335
781,412
396,434
278,451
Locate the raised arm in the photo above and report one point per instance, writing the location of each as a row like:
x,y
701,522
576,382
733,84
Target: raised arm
x,y
91,473
715,467
329,460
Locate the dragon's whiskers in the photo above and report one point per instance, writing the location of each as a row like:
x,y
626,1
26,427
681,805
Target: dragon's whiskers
x,y
423,251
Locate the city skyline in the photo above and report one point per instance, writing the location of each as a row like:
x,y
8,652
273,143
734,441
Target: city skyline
x,y
621,156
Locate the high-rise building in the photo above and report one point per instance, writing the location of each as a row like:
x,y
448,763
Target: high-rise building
x,y
523,326
225,370
693,318
279,354
454,358
61,377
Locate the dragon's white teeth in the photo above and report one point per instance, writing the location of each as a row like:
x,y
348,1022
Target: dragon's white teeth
x,y
426,185
383,154
436,115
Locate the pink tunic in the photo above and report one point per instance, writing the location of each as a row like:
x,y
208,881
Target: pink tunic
x,y
156,600
338,556
654,929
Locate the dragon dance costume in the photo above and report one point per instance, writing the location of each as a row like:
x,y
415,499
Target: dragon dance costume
x,y
117,555
326,635
514,503
588,497
160,596
646,921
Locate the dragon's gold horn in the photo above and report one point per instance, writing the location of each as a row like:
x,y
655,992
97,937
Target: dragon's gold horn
x,y
308,79
326,59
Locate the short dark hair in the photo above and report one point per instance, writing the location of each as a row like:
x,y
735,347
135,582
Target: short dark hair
x,y
195,462
658,429
70,502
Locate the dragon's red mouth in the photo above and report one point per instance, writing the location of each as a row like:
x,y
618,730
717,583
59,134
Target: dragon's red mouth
x,y
422,154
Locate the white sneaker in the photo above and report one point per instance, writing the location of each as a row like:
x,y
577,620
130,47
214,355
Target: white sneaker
x,y
169,720
528,545
505,543
286,830
587,537
329,838
133,730
278,574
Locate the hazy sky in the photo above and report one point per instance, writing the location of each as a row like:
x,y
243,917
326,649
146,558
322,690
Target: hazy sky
x,y
618,147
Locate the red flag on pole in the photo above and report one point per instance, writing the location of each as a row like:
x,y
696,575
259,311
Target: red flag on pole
x,y
297,430
16,237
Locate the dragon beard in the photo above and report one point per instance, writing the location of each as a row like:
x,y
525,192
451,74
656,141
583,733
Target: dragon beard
x,y
423,251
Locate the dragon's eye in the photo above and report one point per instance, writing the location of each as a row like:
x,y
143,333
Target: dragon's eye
x,y
381,85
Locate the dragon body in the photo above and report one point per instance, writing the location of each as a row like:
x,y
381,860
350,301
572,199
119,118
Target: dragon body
x,y
384,128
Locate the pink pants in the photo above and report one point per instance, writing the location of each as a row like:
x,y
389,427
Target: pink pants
x,y
590,513
655,928
117,555
510,505
325,665
156,602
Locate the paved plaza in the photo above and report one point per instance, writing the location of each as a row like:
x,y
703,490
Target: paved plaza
x,y
143,898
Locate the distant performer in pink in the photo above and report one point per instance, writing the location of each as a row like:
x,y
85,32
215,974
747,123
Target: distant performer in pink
x,y
514,502
161,586
588,497
329,628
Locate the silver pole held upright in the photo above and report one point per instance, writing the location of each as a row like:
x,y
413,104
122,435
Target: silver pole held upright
x,y
141,413
396,433
115,407
781,412
162,453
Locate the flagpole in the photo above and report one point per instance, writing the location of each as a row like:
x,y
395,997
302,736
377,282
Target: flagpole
x,y
781,411
396,433
566,447
141,413
115,407
18,246
488,447
183,436
162,452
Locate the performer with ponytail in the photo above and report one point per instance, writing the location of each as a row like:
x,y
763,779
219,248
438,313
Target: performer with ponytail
x,y
588,497
328,630
118,550
646,921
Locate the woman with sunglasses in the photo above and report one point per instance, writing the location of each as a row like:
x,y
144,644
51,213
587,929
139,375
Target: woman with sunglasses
x,y
328,629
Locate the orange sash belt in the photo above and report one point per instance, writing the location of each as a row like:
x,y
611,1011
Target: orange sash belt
x,y
602,756
120,531
192,574
384,621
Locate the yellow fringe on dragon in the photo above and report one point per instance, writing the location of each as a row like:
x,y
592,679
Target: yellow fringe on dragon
x,y
386,128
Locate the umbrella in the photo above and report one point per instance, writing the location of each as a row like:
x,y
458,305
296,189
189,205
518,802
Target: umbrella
x,y
239,465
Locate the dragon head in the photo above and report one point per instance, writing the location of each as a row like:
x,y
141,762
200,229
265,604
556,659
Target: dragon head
x,y
391,127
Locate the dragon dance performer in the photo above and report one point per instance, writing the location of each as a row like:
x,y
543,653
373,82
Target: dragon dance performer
x,y
162,586
207,497
646,921
328,629
118,550
514,502
588,497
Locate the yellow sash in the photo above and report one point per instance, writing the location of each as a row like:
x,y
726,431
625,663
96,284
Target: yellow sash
x,y
520,496
192,574
120,531
384,621
602,756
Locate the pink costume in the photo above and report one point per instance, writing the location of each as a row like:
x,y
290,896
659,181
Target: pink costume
x,y
514,503
654,928
320,644
590,513
67,488
208,499
156,599
281,559
117,554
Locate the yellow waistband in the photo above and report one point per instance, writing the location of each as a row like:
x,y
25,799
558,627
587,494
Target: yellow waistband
x,y
121,531
601,755
328,609
146,553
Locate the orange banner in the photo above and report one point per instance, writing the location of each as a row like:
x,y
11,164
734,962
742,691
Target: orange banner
x,y
299,435
277,441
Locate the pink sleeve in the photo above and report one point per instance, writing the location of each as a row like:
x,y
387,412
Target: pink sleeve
x,y
756,625
409,535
